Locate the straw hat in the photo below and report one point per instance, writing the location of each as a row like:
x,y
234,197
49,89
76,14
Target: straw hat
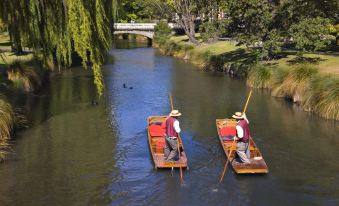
x,y
175,113
238,115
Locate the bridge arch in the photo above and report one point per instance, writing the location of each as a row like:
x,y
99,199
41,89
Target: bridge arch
x,y
148,34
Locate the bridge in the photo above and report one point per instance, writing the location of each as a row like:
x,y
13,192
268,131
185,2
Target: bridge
x,y
144,29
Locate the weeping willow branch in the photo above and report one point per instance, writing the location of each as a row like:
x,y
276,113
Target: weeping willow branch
x,y
60,27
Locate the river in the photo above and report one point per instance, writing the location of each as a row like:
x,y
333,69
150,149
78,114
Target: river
x,y
77,152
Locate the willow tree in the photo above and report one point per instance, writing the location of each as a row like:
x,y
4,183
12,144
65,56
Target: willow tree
x,y
60,27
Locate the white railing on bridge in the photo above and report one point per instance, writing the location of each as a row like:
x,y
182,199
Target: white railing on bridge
x,y
140,26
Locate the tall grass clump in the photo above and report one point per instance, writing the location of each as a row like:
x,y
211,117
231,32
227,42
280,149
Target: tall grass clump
x,y
259,77
7,119
323,96
293,83
23,77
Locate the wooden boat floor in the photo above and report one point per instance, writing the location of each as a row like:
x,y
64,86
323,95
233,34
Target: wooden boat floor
x,y
161,163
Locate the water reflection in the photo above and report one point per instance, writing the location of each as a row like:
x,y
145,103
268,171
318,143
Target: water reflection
x,y
79,154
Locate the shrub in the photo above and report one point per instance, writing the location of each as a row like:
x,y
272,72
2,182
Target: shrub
x,y
209,32
259,77
295,82
323,96
161,32
6,126
23,77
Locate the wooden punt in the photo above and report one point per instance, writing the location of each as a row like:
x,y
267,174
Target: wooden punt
x,y
257,164
157,142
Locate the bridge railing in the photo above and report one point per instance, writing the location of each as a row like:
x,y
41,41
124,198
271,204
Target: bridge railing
x,y
141,26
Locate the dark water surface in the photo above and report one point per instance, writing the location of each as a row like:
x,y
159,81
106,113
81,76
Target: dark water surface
x,y
76,153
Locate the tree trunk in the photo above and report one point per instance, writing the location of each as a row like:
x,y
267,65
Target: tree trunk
x,y
186,19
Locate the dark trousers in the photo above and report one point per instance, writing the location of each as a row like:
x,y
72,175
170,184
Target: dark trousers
x,y
171,148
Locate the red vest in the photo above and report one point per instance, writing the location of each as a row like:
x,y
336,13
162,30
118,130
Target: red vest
x,y
170,131
244,125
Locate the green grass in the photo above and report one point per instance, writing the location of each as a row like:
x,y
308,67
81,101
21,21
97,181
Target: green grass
x,y
10,57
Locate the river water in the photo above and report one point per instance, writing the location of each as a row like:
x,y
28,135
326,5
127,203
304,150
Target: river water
x,y
79,153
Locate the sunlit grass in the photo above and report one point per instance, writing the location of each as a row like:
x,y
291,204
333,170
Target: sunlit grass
x,y
259,77
6,126
323,96
295,82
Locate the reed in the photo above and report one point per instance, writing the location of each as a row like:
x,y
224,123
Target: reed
x,y
293,83
7,119
23,77
259,77
323,96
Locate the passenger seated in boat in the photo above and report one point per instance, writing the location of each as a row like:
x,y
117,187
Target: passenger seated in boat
x,y
243,137
171,139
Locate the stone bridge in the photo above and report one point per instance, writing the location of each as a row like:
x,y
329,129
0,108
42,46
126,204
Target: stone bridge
x,y
144,29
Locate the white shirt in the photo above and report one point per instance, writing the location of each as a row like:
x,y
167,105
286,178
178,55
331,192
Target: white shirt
x,y
176,126
240,131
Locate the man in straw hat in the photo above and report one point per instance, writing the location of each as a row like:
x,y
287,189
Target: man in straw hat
x,y
243,137
172,131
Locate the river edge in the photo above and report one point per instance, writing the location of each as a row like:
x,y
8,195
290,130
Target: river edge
x,y
303,84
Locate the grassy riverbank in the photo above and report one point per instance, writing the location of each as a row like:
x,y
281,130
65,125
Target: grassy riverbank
x,y
312,81
18,74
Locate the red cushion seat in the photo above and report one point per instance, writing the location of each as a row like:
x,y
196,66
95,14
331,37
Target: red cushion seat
x,y
228,131
156,130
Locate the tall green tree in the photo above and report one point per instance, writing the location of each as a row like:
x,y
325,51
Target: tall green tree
x,y
311,34
250,20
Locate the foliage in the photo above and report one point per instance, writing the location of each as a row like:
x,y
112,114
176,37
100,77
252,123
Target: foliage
x,y
310,34
23,77
295,82
60,27
323,96
185,13
272,44
6,125
250,20
210,31
161,32
137,10
259,77
3,26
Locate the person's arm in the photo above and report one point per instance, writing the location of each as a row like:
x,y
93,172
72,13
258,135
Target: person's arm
x,y
176,126
240,132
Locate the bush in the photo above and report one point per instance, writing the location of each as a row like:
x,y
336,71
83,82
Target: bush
x,y
293,83
259,77
209,32
323,96
6,126
161,32
23,77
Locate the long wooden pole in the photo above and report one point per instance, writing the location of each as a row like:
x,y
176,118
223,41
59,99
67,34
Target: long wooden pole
x,y
228,156
228,159
181,175
248,99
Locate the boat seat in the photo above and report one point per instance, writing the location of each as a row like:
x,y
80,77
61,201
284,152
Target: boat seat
x,y
157,130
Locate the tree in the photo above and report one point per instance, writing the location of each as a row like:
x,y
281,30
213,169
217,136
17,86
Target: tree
x,y
60,27
288,12
250,20
185,15
311,34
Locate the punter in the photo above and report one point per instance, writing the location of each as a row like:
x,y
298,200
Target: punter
x,y
243,137
172,131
